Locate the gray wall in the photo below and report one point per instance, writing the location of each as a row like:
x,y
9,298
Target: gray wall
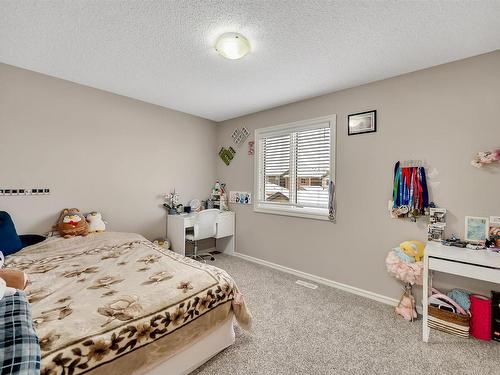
x,y
100,151
442,115
96,151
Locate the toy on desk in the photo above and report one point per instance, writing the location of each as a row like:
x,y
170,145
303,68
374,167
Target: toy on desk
x,y
454,241
96,224
437,223
218,197
223,199
475,246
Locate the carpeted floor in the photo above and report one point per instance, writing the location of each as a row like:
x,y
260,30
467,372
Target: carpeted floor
x,y
327,331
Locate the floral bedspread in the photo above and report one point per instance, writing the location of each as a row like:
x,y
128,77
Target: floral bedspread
x,y
99,297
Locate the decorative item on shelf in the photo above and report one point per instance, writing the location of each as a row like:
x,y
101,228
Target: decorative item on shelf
x,y
485,158
227,154
218,198
494,231
454,241
360,123
405,264
476,229
172,202
240,197
209,204
410,194
437,224
195,205
223,198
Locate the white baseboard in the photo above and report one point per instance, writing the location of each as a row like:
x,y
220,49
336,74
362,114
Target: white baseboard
x,y
322,280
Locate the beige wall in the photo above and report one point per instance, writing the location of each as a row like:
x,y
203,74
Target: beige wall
x,y
100,151
442,115
96,151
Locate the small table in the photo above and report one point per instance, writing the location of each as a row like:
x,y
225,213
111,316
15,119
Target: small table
x,y
177,225
475,264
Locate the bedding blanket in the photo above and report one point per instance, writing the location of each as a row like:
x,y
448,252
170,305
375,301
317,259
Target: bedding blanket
x,y
96,298
19,350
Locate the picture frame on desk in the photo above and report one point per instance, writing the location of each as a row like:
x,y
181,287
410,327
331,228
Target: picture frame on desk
x,y
476,229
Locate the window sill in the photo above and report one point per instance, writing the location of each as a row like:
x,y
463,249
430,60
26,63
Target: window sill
x,y
305,213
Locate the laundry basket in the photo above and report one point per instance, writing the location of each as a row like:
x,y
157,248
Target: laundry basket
x,y
449,322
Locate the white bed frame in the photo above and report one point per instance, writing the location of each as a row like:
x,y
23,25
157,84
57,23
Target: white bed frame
x,y
193,356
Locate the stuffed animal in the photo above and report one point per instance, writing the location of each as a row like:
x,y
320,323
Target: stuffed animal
x,y
160,242
96,224
413,249
71,223
406,308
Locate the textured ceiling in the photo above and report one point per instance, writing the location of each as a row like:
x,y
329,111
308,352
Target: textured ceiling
x,y
161,51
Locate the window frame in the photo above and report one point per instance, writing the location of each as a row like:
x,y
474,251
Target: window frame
x,y
283,208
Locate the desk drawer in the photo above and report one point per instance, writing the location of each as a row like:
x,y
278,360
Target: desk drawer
x,y
225,226
466,270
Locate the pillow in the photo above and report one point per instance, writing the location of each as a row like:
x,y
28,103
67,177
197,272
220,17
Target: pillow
x,y
9,240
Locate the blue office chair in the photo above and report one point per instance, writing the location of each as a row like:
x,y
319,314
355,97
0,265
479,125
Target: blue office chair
x,y
10,242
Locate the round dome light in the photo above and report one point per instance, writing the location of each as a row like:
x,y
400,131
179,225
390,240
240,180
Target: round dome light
x,y
232,46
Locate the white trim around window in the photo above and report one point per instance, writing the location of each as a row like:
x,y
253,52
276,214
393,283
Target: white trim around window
x,y
293,162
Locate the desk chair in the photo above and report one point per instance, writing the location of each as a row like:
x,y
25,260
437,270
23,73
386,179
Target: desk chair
x,y
204,227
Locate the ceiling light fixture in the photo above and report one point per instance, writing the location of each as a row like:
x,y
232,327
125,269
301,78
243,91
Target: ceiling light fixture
x,y
232,46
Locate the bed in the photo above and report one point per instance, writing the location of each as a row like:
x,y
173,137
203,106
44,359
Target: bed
x,y
115,303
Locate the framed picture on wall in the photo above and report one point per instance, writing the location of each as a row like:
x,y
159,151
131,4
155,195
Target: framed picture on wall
x,y
363,122
476,229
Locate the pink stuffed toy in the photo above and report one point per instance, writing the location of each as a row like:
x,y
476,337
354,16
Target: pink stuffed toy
x,y
406,307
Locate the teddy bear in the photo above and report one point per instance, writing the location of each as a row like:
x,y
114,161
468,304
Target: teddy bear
x,y
71,223
96,224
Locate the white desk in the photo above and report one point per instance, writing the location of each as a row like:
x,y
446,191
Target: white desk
x,y
177,225
475,264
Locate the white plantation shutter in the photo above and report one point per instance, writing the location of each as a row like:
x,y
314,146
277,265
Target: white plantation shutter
x,y
293,167
276,160
313,167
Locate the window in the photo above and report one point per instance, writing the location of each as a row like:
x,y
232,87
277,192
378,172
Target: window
x,y
293,167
